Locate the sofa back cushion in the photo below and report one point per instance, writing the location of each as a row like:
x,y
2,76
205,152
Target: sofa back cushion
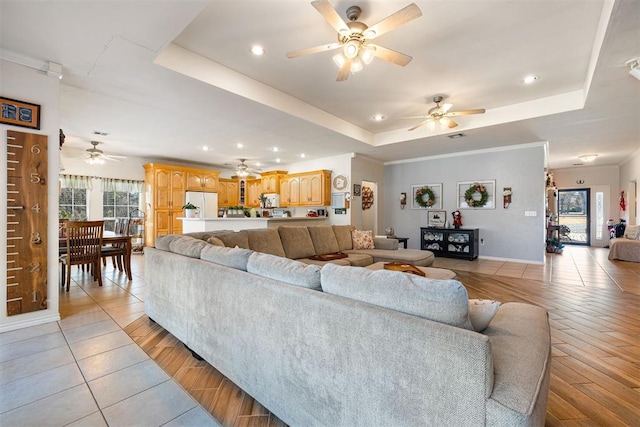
x,y
343,236
324,240
285,270
235,238
444,301
296,242
181,245
632,232
229,257
265,240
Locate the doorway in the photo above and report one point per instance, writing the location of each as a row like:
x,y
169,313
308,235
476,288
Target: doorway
x,y
574,216
370,206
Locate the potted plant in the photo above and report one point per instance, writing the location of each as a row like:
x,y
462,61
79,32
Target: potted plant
x,y
189,210
554,246
263,200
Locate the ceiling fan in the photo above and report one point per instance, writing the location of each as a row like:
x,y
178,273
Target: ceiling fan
x,y
243,170
96,156
440,115
354,38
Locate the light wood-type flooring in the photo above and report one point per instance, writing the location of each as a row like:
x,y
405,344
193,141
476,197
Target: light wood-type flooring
x,y
594,311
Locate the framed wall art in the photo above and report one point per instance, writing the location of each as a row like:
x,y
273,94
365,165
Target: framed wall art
x,y
19,113
436,219
477,194
426,196
357,190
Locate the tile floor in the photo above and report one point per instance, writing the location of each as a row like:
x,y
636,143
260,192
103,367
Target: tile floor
x,y
85,370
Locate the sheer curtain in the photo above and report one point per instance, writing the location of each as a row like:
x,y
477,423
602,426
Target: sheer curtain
x,y
76,181
124,185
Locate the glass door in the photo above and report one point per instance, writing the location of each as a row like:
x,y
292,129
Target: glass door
x,y
573,216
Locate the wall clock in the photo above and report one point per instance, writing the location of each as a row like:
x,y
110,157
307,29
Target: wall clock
x,y
340,182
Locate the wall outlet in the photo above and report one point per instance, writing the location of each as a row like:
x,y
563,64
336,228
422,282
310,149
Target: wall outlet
x,y
481,241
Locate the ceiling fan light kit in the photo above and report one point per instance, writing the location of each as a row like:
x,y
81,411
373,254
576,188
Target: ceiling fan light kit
x,y
96,156
634,67
440,116
354,37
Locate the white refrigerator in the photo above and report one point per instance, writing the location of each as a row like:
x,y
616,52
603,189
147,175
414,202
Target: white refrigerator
x,y
207,203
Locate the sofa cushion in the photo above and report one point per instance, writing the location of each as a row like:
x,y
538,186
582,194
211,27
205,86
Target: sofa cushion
x,y
324,240
340,261
481,312
285,270
360,260
163,242
444,301
296,242
229,257
362,239
187,246
235,238
343,236
215,241
632,232
265,240
412,256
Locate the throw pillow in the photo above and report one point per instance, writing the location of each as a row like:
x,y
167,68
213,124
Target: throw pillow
x,y
444,301
632,232
481,312
362,239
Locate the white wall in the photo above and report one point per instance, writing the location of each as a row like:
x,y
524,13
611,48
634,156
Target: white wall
x,y
507,233
24,84
629,181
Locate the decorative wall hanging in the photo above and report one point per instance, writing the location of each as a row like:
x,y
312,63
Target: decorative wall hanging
x,y
426,196
19,113
356,190
340,182
403,200
477,194
367,198
506,197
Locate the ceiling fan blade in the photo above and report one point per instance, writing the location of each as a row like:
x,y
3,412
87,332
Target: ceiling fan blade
x,y
414,117
466,112
311,50
331,16
401,17
343,74
113,158
445,107
422,123
391,55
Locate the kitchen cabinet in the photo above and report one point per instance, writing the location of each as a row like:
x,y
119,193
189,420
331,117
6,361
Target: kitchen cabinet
x,y
450,243
271,181
227,192
306,189
164,188
202,181
253,190
290,191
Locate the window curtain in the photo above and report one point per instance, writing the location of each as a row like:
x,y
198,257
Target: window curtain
x,y
124,185
76,181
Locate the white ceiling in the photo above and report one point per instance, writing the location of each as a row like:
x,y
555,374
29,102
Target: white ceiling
x,y
164,78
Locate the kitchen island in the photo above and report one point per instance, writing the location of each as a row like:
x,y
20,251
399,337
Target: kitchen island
x,y
192,225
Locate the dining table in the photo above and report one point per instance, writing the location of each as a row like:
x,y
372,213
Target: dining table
x,y
109,238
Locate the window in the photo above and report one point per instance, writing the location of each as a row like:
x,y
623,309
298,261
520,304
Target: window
x,y
73,203
118,204
599,215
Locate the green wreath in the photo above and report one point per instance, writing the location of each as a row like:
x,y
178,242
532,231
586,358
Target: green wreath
x,y
421,192
476,188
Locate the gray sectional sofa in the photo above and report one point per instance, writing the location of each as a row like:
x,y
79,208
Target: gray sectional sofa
x,y
301,243
348,346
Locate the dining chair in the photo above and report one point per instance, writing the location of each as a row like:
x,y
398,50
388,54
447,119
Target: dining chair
x,y
117,250
84,243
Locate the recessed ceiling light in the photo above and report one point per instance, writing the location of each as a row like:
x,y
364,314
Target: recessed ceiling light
x,y
530,79
258,164
303,155
275,149
378,117
239,145
588,157
257,50
205,148
277,160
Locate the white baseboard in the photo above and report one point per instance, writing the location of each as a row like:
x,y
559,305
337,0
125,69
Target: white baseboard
x,y
29,322
519,261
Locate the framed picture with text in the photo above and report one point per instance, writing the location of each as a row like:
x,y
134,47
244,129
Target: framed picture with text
x,y
19,113
436,219
357,190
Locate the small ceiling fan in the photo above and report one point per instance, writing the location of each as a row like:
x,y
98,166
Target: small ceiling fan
x,y
243,170
440,115
354,38
96,156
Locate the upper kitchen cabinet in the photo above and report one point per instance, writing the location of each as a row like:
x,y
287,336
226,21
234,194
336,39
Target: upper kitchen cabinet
x,y
202,181
271,181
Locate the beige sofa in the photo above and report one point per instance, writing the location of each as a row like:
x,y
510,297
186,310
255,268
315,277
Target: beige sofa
x,y
345,346
302,243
